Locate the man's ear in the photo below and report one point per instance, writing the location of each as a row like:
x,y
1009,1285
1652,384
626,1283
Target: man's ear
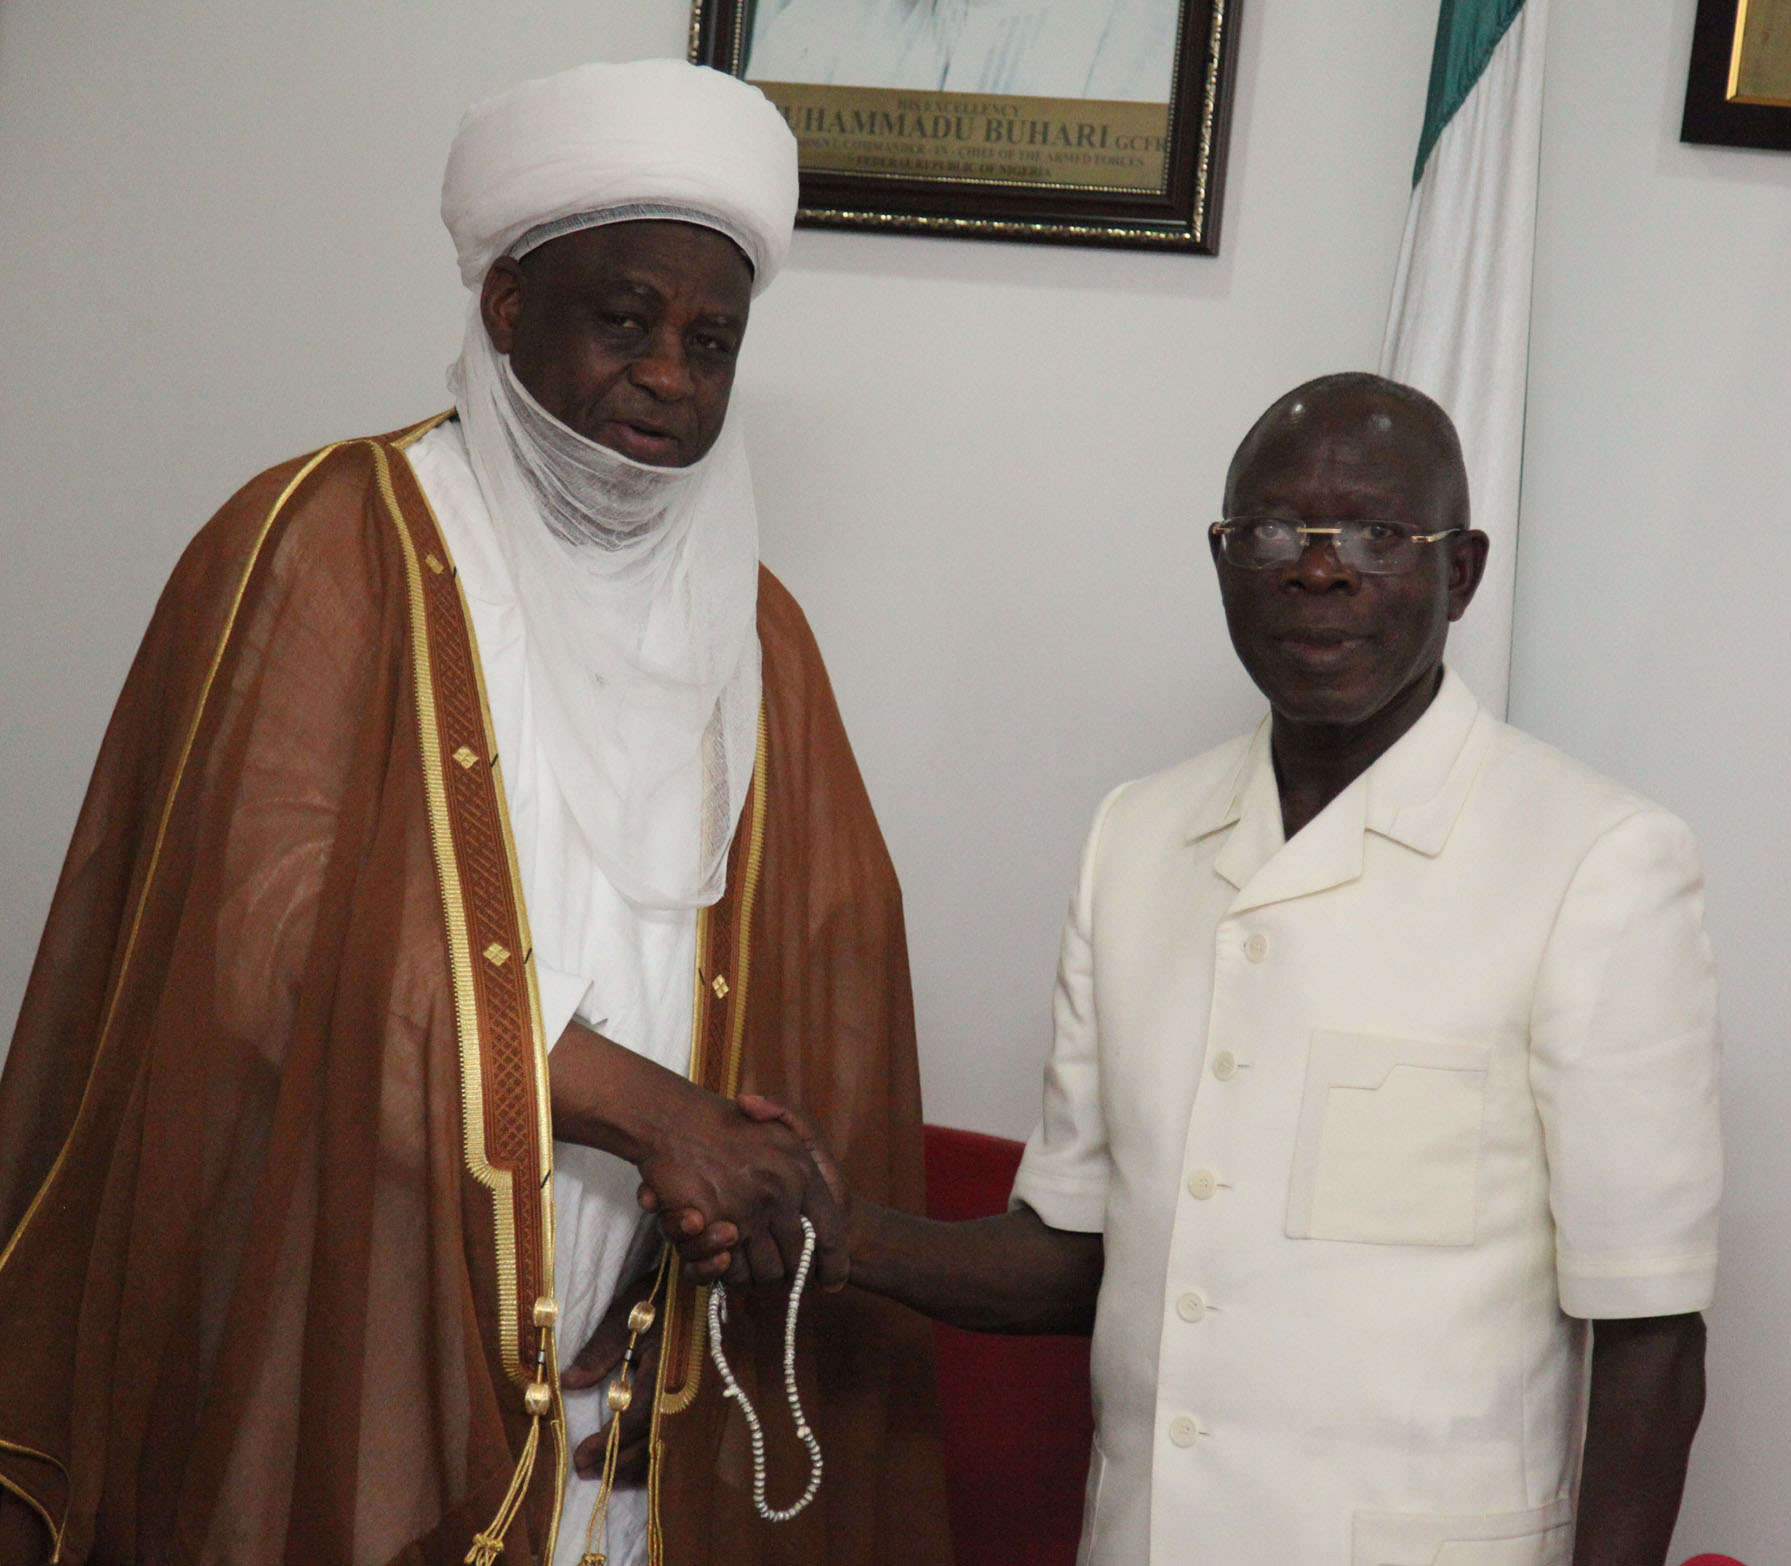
x,y
500,302
1467,564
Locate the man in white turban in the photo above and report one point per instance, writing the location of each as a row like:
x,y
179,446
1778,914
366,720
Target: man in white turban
x,y
475,823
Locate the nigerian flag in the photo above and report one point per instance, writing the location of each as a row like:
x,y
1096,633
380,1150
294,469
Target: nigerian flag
x,y
1459,326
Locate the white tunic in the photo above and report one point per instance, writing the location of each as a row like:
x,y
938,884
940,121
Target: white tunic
x,y
621,970
1366,1117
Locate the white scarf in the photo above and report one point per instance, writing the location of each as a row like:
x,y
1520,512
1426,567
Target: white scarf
x,y
638,591
637,586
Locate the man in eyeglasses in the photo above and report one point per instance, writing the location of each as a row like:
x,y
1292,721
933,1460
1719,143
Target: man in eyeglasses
x,y
1384,1083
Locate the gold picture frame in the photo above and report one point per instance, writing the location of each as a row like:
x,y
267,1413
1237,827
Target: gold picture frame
x,y
1760,58
1738,87
1100,122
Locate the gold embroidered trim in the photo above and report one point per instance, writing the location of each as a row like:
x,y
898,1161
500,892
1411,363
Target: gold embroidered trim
x,y
693,1375
460,964
550,1369
749,895
703,943
661,1404
416,432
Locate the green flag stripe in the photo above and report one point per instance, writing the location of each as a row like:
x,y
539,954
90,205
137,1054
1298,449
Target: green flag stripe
x,y
1467,33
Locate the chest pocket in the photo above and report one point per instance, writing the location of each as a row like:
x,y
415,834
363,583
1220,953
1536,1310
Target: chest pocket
x,y
1387,1151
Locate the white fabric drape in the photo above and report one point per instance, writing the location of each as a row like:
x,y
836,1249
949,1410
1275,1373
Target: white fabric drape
x,y
638,588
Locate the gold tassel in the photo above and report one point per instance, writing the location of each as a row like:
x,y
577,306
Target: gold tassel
x,y
489,1545
594,1529
621,1394
655,1443
655,1538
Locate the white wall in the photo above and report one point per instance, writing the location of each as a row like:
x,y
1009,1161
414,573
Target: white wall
x,y
1652,637
985,469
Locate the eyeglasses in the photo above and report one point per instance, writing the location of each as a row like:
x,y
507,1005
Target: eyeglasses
x,y
1370,548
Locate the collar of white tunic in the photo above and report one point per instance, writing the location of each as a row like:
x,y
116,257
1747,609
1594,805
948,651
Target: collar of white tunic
x,y
1411,794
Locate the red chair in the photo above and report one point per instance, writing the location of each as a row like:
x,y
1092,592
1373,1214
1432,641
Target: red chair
x,y
1016,1418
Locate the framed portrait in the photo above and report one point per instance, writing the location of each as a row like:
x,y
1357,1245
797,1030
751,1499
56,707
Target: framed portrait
x,y
1082,122
1738,90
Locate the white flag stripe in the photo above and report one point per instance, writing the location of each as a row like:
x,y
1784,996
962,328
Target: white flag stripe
x,y
1459,325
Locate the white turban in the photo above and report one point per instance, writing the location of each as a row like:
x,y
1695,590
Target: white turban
x,y
608,143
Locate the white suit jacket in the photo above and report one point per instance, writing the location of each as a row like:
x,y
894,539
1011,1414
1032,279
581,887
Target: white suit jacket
x,y
1366,1118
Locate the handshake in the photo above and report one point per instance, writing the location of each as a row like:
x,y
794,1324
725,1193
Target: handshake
x,y
729,1180
731,1184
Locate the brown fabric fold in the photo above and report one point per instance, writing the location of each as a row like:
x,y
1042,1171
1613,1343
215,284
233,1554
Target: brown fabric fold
x,y
260,1301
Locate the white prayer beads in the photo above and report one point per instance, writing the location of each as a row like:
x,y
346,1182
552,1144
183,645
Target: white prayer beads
x,y
718,1313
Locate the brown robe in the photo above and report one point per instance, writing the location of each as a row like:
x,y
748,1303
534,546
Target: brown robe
x,y
274,1137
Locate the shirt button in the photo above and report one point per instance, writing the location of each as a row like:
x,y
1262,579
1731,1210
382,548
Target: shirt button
x,y
1190,1307
1225,1065
1202,1183
1257,947
1182,1430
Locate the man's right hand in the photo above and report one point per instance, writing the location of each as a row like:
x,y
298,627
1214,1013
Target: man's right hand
x,y
699,1156
720,1169
1009,1273
707,1250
